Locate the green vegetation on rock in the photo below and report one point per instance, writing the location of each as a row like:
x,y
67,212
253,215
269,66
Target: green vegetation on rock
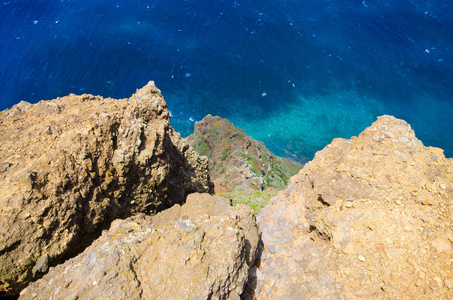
x,y
241,167
253,198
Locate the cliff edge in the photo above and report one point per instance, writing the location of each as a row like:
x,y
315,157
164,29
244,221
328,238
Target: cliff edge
x,y
370,217
70,166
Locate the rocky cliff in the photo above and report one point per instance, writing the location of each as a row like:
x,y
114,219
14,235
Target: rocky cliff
x,y
370,218
201,250
240,166
70,166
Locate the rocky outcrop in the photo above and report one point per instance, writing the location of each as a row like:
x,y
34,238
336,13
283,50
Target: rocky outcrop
x,y
201,250
237,161
370,218
70,166
242,168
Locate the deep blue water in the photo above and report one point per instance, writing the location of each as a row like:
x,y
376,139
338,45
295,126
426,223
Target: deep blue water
x,y
294,74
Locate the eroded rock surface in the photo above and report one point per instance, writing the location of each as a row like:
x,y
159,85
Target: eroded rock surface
x,y
70,166
201,250
369,218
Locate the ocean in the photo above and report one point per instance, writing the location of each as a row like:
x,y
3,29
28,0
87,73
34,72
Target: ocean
x,y
293,74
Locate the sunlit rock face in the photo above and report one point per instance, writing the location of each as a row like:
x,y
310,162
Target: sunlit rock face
x,y
200,250
70,166
369,217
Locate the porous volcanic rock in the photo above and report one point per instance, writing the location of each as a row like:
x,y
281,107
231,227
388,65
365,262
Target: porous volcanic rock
x,y
239,165
201,250
70,166
370,218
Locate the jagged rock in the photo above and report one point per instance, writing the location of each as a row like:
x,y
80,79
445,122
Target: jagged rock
x,y
239,165
70,166
368,218
201,250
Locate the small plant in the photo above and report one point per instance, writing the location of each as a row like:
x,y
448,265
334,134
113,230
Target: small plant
x,y
255,199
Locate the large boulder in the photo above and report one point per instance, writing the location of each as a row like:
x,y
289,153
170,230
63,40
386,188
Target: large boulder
x,y
201,250
240,166
370,217
70,166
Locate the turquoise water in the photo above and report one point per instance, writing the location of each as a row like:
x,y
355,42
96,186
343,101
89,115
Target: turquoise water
x,y
293,74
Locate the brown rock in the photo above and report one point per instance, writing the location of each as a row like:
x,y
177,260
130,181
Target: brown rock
x,y
70,166
201,250
352,223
